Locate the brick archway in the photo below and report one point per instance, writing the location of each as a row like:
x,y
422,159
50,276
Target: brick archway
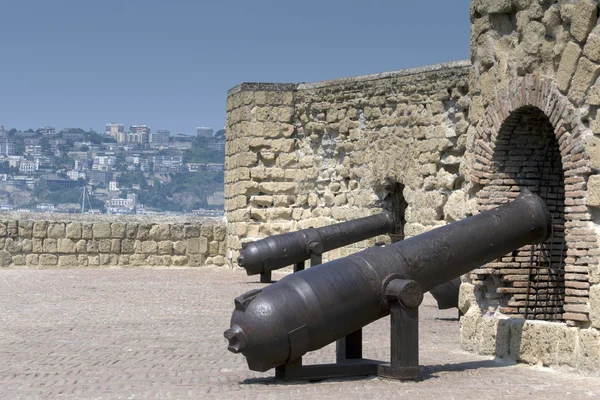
x,y
539,97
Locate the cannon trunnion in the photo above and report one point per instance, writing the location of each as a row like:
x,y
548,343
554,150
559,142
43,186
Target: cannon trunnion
x,y
275,326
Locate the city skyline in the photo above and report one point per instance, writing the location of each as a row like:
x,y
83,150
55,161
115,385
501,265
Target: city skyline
x,y
169,65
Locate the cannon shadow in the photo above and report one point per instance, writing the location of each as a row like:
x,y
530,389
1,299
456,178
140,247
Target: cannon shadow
x,y
426,372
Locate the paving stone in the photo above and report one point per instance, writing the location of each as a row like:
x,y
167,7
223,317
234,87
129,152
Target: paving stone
x,y
158,333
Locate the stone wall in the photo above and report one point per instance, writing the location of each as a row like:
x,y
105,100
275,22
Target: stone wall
x,y
82,241
316,154
537,60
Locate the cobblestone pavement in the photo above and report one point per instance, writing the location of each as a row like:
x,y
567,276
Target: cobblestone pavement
x,y
130,334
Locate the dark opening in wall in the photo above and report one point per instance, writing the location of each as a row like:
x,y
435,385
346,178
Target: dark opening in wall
x,y
528,282
395,204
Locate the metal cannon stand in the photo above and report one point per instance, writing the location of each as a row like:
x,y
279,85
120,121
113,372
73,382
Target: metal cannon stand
x,y
403,298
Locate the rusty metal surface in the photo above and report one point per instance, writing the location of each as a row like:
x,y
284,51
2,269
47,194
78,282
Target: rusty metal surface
x,y
307,310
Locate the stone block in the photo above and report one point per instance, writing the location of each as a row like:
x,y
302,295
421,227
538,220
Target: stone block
x,y
193,245
37,245
538,343
124,260
176,232
566,346
595,306
50,246
219,232
5,259
589,350
40,229
19,260
143,231
115,246
66,246
137,260
32,259
567,66
12,229
149,247
117,230
180,260
109,259
127,246
56,230
87,230
179,247
154,261
73,230
26,246
586,74
48,259
102,230
165,247
81,246
213,248
278,187
26,229
82,260
92,246
104,245
190,231
592,47
131,230
2,229
207,231
159,232
12,245
216,260
583,19
93,261
594,188
466,297
468,329
68,261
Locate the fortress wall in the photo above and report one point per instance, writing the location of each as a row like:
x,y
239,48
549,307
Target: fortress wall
x,y
81,241
315,154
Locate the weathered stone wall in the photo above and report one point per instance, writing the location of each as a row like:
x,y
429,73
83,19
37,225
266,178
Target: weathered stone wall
x,y
541,60
76,241
316,154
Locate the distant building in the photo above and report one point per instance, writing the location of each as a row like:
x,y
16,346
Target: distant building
x,y
215,167
204,132
118,205
75,136
160,137
101,177
167,163
181,145
195,167
27,167
112,186
47,130
113,129
7,146
104,162
216,145
33,147
75,175
1,130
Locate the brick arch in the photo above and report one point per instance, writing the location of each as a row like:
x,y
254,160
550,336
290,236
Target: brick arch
x,y
539,96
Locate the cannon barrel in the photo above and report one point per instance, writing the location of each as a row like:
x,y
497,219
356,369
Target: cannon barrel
x,y
308,310
279,251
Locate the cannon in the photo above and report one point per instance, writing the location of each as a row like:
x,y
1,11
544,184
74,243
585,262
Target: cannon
x,y
275,326
275,252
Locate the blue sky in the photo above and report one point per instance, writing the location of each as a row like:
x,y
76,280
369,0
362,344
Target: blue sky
x,y
169,63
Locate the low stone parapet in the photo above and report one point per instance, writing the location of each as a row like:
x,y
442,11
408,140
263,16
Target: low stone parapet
x,y
71,241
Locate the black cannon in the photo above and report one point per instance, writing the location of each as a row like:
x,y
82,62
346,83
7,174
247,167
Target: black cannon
x,y
275,252
275,326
